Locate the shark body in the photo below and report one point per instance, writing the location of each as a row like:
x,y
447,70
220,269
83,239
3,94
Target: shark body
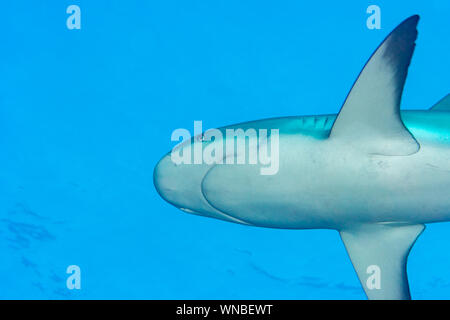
x,y
374,173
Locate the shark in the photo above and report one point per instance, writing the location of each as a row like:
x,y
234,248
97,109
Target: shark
x,y
373,172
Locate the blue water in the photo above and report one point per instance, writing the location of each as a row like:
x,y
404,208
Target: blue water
x,y
86,114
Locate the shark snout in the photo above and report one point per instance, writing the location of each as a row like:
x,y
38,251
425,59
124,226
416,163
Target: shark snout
x,y
179,184
165,180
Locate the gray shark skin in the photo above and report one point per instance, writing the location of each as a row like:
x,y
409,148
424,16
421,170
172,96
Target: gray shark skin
x,y
374,173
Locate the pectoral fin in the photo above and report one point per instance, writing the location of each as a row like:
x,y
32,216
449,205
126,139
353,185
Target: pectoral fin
x,y
379,253
442,105
370,117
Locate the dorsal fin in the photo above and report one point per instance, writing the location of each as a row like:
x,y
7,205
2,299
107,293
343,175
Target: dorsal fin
x,y
442,105
370,117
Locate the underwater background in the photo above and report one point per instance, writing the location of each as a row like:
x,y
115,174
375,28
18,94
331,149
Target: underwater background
x,y
86,114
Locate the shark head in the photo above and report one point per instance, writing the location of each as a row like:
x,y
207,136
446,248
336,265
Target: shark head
x,y
174,184
181,186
